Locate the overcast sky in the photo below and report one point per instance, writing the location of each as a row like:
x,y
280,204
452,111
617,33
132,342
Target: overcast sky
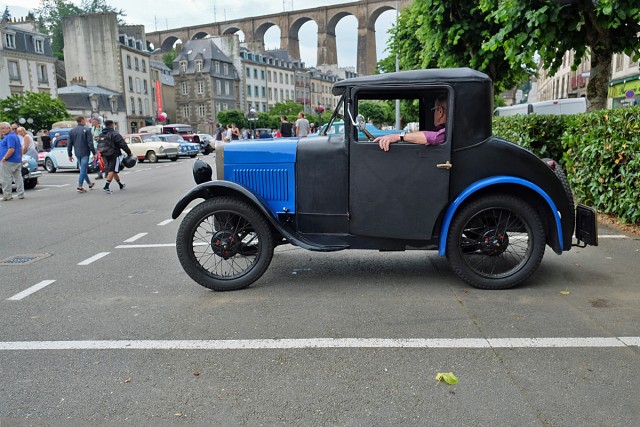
x,y
163,14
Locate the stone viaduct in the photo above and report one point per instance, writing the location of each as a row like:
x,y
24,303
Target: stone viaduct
x,y
327,17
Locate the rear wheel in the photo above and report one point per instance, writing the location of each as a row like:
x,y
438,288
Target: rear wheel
x,y
224,244
495,242
48,165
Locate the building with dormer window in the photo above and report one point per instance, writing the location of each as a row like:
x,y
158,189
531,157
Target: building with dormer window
x,y
206,82
27,63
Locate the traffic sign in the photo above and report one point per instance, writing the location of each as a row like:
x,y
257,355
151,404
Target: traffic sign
x,y
630,93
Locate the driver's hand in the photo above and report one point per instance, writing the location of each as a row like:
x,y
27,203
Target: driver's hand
x,y
385,141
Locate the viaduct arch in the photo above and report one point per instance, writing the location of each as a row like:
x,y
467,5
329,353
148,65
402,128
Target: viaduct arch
x,y
254,28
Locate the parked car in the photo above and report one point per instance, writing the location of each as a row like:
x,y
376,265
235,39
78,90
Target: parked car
x,y
207,143
187,149
149,147
30,172
58,158
338,127
488,205
185,131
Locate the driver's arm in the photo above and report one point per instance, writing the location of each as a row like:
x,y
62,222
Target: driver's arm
x,y
414,137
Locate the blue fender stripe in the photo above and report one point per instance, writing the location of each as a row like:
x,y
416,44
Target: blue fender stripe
x,y
487,182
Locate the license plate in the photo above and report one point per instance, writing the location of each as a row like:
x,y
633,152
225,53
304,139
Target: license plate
x,y
586,225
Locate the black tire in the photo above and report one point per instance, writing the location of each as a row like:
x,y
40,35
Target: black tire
x,y
495,242
567,189
192,155
30,183
174,159
48,165
152,157
224,244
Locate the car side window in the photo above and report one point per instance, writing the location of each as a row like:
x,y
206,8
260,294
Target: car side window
x,y
61,143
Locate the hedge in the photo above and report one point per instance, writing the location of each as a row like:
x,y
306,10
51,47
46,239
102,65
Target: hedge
x,y
600,152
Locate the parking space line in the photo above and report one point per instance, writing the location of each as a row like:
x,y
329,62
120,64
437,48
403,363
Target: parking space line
x,y
94,258
29,291
302,343
165,222
44,189
136,237
612,236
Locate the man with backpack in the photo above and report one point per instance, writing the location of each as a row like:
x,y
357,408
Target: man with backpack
x,y
110,145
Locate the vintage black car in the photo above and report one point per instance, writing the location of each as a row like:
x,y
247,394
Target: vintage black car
x,y
488,205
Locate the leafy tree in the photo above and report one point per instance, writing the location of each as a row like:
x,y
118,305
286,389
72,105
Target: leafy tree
x,y
51,12
451,33
287,108
169,57
228,117
378,112
6,15
592,29
41,107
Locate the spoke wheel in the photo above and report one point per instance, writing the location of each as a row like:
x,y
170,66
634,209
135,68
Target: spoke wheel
x,y
496,242
224,244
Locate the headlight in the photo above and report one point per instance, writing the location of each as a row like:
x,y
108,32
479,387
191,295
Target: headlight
x,y
161,149
25,164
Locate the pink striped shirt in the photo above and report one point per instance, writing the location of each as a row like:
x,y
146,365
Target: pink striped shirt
x,y
435,137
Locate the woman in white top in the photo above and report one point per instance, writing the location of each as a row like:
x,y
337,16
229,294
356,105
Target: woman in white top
x,y
28,143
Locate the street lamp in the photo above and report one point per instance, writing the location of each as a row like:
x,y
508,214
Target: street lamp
x,y
252,117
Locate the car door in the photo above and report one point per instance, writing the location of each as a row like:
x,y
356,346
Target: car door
x,y
135,145
60,154
399,193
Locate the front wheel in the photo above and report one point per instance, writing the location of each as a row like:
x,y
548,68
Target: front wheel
x,y
152,157
30,183
224,244
495,242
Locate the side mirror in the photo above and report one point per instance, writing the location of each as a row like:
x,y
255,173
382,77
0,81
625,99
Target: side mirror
x,y
360,122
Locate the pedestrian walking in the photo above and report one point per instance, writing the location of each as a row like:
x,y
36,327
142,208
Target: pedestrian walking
x,y
10,162
111,144
96,130
81,141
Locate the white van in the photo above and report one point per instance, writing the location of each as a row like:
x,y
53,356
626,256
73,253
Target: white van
x,y
560,106
512,110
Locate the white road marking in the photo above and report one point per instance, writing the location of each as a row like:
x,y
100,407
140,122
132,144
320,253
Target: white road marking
x,y
54,185
136,237
278,344
94,258
165,222
152,245
44,189
612,236
29,291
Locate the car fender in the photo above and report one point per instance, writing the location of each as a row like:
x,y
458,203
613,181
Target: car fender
x,y
53,159
487,182
220,188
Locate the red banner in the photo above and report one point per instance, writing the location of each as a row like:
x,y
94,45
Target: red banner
x,y
159,96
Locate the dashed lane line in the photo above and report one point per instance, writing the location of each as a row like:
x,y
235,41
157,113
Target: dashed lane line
x,y
165,222
136,237
29,291
310,343
94,258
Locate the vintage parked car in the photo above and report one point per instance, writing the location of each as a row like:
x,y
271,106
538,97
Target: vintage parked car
x,y
207,143
488,205
146,146
58,158
187,149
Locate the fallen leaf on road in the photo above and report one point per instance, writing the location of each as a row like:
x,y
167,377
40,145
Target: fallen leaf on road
x,y
196,372
128,380
564,292
447,377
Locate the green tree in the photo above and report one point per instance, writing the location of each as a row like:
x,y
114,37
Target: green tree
x,y
40,107
379,112
169,57
51,12
592,29
287,108
228,117
451,33
6,15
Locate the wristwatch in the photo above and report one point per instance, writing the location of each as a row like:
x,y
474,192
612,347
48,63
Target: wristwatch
x,y
402,136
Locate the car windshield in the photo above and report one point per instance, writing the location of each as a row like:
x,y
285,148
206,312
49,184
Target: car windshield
x,y
171,138
147,138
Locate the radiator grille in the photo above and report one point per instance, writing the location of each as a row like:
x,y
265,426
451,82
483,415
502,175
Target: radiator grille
x,y
270,184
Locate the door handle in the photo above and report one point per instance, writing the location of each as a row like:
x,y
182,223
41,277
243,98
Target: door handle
x,y
446,165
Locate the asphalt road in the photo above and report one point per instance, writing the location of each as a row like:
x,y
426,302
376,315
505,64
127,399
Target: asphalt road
x,y
116,333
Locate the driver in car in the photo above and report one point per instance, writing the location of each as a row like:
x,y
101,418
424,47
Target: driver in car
x,y
427,137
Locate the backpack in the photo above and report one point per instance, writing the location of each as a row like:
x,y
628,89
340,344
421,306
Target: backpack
x,y
106,145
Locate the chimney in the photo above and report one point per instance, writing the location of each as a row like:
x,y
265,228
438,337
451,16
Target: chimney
x,y
79,81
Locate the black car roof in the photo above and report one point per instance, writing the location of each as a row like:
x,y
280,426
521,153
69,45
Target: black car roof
x,y
410,78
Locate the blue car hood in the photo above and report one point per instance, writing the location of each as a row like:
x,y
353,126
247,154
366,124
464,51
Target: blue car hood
x,y
257,151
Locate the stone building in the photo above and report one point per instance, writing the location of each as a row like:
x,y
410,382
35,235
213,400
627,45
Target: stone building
x,y
93,101
624,86
164,91
115,58
27,63
206,82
